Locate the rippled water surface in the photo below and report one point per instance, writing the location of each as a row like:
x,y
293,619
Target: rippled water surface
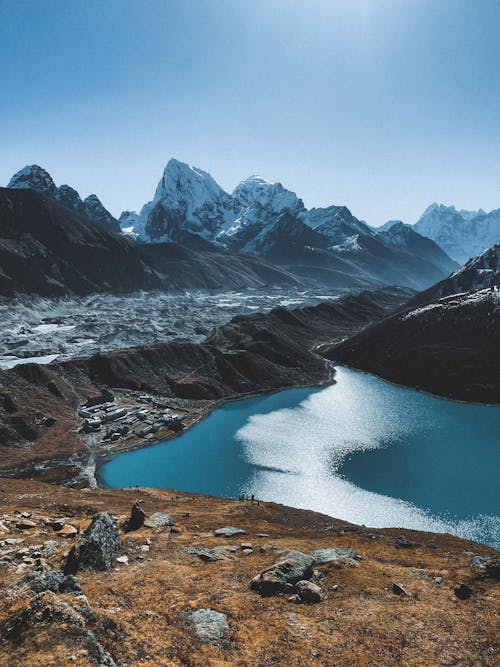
x,y
362,450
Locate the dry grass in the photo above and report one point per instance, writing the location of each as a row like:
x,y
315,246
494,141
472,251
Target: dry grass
x,y
141,608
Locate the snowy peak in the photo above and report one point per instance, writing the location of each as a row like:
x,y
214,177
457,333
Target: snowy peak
x,y
479,273
33,177
187,200
462,234
182,183
336,223
258,191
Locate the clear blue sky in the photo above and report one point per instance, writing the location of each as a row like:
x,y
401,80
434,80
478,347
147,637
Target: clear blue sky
x,y
383,105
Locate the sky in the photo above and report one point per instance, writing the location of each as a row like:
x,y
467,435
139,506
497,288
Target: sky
x,y
382,105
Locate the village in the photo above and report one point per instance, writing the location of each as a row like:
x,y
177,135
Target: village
x,y
124,419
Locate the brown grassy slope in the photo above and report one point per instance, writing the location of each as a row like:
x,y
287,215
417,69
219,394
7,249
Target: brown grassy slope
x,y
141,608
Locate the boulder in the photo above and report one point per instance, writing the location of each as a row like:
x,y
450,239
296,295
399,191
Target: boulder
x,y
493,568
397,589
67,531
229,531
479,562
309,592
25,524
210,626
159,520
462,591
205,553
136,519
98,543
403,543
321,556
297,566
53,581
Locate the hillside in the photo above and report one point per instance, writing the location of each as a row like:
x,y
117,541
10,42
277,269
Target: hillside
x,y
49,249
449,347
146,609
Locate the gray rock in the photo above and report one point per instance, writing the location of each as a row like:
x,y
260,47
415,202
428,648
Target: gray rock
x,y
397,589
321,556
493,569
50,547
136,519
98,543
229,531
159,520
210,626
205,553
53,581
479,562
402,542
295,567
309,592
462,591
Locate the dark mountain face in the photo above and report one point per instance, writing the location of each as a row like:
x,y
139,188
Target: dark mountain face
x,y
449,347
478,273
34,177
403,237
49,249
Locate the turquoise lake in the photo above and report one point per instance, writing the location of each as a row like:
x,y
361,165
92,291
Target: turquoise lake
x,y
363,450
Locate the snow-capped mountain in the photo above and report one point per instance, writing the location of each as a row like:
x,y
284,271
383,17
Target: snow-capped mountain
x,y
70,198
336,223
267,220
34,177
461,234
187,201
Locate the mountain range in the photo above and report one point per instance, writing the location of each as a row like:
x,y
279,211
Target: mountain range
x,y
461,234
49,249
259,220
445,340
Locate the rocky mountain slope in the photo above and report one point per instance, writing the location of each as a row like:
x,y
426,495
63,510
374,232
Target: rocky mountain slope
x,y
251,354
169,588
461,234
480,272
449,347
49,249
33,177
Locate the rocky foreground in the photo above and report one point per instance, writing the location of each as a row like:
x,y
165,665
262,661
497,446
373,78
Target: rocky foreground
x,y
142,577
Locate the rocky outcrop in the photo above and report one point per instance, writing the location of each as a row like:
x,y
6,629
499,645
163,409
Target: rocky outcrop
x,y
98,543
297,566
136,518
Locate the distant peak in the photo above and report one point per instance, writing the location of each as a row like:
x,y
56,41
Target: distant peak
x,y
33,177
92,199
255,178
